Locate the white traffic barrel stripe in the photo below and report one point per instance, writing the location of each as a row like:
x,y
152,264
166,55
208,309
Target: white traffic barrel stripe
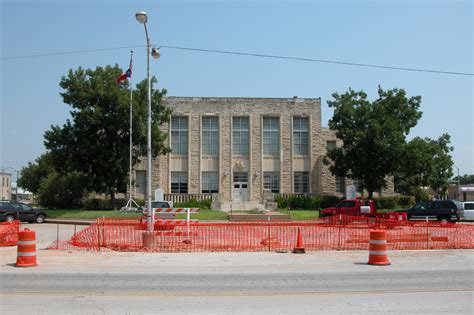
x,y
378,241
26,242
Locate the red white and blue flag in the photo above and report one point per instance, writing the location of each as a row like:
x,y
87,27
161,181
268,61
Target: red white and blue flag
x,y
127,73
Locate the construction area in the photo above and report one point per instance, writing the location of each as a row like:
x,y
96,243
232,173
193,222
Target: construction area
x,y
332,233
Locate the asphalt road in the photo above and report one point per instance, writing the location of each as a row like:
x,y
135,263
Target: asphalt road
x,y
417,282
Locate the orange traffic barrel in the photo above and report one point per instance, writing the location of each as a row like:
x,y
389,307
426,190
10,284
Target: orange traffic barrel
x,y
378,248
26,250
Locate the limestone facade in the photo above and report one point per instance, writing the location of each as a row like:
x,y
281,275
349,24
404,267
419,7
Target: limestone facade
x,y
293,165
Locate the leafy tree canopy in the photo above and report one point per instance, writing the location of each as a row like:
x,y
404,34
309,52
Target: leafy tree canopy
x,y
32,174
94,142
425,163
373,134
465,179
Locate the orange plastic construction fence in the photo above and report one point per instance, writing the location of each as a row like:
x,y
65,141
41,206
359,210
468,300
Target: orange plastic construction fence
x,y
9,233
349,233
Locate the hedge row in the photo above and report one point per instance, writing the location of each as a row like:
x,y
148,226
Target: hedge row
x,y
193,203
306,202
321,202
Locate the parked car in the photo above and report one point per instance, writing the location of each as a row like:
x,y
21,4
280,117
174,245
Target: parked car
x,y
360,207
468,207
441,210
11,210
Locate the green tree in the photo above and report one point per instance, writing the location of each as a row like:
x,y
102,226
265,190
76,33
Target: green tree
x,y
426,163
53,189
465,179
33,173
95,141
63,191
373,134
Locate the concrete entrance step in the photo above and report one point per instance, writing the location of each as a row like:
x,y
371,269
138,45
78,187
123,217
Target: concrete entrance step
x,y
269,216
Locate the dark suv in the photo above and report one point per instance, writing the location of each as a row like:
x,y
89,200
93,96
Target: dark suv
x,y
441,210
11,210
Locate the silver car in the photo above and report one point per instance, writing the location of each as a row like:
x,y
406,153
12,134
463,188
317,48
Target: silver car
x,y
468,210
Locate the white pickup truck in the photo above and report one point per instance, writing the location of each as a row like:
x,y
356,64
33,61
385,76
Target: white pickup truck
x,y
468,210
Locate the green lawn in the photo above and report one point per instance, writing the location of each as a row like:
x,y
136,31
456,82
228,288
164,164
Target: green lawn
x,y
203,215
301,214
90,214
115,214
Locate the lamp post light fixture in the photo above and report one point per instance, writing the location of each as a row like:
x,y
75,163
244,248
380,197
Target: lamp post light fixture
x,y
142,18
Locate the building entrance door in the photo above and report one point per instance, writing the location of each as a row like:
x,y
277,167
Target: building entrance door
x,y
240,192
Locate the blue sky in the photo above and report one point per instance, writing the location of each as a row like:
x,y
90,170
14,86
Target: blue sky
x,y
436,35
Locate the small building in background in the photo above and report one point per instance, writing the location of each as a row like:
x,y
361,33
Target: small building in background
x,y
22,195
6,191
461,192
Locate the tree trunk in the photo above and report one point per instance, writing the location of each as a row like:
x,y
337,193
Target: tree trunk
x,y
112,199
371,193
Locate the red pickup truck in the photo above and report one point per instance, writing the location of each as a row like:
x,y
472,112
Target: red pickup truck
x,y
360,207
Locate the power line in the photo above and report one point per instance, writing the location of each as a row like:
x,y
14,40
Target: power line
x,y
71,52
250,55
319,60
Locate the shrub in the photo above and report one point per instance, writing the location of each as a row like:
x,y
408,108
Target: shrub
x,y
390,202
329,201
406,201
193,203
305,202
421,194
282,202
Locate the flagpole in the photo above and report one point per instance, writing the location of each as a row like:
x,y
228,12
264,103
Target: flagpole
x,y
130,202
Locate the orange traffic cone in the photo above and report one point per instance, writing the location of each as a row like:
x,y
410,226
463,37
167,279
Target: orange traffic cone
x,y
26,250
299,249
378,248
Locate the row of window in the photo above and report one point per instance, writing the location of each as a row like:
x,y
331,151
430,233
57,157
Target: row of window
x,y
240,135
5,182
271,180
210,182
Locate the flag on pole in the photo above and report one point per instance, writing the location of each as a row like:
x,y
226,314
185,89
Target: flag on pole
x,y
127,73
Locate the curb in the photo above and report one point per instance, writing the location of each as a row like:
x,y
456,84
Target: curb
x,y
71,221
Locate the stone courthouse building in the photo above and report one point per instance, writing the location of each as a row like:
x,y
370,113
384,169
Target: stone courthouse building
x,y
241,150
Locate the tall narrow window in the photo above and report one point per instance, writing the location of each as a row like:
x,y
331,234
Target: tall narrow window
x,y
240,139
340,184
179,135
210,182
210,136
271,136
271,180
179,182
301,182
300,136
140,182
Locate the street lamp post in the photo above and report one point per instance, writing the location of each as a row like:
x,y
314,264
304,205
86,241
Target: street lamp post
x,y
142,18
459,186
